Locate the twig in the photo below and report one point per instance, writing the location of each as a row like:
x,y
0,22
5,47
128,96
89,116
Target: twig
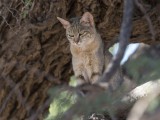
x,y
41,109
15,89
125,33
151,28
4,19
4,104
10,10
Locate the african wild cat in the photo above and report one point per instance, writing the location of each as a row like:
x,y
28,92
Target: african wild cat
x,y
89,59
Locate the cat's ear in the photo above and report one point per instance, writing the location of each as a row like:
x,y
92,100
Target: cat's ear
x,y
64,22
87,18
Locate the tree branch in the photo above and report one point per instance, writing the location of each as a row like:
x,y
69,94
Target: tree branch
x,y
125,33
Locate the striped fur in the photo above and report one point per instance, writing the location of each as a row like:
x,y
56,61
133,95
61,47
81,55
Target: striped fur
x,y
88,56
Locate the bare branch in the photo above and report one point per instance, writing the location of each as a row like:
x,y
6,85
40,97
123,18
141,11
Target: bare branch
x,y
125,33
151,28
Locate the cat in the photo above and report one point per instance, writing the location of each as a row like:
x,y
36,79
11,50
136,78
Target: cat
x,y
89,57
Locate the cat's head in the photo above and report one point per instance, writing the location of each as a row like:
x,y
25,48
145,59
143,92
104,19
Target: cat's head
x,y
80,31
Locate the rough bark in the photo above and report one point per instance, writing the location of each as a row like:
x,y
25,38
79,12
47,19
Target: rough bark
x,y
34,53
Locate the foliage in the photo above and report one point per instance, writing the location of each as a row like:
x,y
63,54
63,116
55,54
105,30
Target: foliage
x,y
144,68
62,101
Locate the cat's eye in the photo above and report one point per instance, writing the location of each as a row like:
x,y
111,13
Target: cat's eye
x,y
70,35
80,34
83,33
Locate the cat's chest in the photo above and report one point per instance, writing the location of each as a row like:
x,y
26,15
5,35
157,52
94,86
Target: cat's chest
x,y
88,59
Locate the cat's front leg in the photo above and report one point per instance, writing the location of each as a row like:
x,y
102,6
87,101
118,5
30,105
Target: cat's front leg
x,y
97,69
81,76
80,79
95,77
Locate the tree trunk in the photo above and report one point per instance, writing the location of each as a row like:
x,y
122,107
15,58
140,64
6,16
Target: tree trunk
x,y
34,52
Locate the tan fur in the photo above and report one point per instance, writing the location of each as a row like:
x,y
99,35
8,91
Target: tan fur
x,y
88,56
87,61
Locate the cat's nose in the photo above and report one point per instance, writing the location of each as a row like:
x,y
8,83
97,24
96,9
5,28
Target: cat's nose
x,y
77,39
